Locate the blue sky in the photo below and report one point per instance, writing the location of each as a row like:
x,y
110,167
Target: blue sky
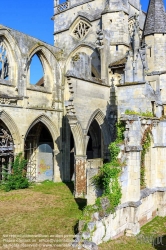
x,y
33,17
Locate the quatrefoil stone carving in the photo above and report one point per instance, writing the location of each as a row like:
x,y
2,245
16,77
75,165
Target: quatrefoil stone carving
x,y
81,30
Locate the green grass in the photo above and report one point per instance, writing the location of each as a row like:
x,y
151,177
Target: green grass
x,y
50,209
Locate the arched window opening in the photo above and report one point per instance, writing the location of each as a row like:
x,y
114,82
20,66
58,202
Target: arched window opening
x,y
94,72
36,72
6,150
94,148
4,63
39,153
95,65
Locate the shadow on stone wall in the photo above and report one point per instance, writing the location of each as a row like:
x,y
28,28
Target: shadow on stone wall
x,y
81,202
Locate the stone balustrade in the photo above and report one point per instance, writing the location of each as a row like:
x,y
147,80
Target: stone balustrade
x,y
62,7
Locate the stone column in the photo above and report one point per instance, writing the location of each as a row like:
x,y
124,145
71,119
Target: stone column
x,y
57,161
80,176
134,165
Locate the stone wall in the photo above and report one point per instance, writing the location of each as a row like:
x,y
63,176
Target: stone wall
x,y
138,206
129,217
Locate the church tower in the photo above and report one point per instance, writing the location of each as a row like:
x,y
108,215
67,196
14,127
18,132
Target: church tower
x,y
155,35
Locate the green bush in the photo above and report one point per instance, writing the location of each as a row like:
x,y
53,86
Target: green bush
x,y
17,178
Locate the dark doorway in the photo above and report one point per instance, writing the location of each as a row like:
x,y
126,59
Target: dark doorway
x,y
94,148
39,153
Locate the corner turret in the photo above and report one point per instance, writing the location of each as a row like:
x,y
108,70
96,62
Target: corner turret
x,y
156,18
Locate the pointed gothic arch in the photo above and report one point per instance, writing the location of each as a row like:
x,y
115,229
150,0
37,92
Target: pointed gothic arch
x,y
11,125
80,139
42,146
41,53
91,51
12,54
51,127
99,116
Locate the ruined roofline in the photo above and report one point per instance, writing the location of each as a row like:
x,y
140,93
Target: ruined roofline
x,y
11,29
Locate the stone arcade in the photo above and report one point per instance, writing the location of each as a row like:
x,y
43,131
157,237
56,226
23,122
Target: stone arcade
x,y
108,56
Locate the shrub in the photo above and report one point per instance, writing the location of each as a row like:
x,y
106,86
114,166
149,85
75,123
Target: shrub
x,y
17,178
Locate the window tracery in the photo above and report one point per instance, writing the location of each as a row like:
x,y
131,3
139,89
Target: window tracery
x,y
4,63
81,30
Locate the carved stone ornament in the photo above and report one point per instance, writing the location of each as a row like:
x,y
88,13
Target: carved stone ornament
x,y
81,30
76,57
4,101
4,64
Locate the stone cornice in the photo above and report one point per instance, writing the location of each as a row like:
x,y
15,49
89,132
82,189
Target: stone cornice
x,y
92,80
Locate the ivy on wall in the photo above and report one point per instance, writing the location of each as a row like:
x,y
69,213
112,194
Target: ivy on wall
x,y
108,180
146,143
108,176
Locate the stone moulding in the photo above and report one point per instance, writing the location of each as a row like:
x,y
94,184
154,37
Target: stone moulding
x,y
5,82
9,100
92,79
147,191
44,108
39,89
130,83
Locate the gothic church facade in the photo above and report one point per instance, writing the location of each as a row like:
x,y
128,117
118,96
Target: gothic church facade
x,y
108,57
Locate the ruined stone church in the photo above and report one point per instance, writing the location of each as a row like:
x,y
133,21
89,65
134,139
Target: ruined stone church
x,y
108,57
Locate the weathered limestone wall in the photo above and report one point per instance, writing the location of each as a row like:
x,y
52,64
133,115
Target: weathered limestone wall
x,y
23,119
66,22
129,217
24,105
87,97
156,54
163,90
133,97
137,206
134,4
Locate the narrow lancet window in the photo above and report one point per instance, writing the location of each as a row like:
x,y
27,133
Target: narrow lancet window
x,y
4,64
36,72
